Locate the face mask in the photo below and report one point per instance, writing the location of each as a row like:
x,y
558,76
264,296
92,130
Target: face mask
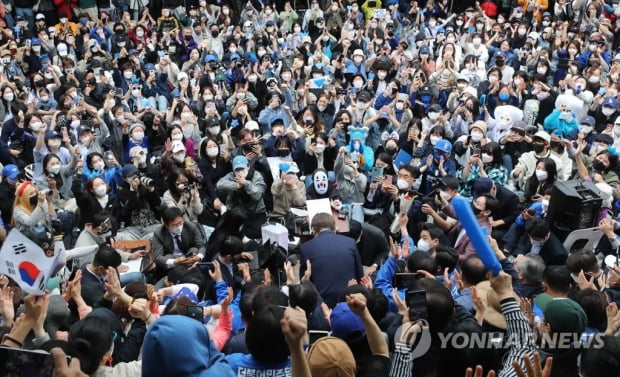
x,y
177,231
286,76
357,84
541,175
477,41
34,200
225,11
381,75
135,92
138,136
309,120
321,107
179,157
592,47
585,129
297,29
538,148
450,39
517,82
536,243
459,23
8,97
212,152
541,71
358,59
617,130
504,97
252,78
54,169
54,143
101,190
142,159
242,173
476,210
128,75
607,111
572,51
566,116
432,23
176,137
433,116
354,9
594,79
320,148
444,195
399,106
487,158
435,139
36,126
500,63
214,130
492,79
522,31
423,245
402,184
476,136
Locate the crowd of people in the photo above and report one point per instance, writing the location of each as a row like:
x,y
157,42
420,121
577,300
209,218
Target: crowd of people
x,y
186,127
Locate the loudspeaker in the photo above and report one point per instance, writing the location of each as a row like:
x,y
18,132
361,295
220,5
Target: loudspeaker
x,y
574,204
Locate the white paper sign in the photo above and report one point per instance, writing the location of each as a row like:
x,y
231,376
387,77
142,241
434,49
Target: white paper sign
x,y
317,206
25,262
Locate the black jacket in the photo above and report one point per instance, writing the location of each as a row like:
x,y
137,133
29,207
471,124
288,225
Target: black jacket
x,y
552,251
192,242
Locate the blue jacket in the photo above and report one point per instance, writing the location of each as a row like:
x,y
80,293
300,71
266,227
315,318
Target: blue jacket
x,y
246,365
176,345
384,279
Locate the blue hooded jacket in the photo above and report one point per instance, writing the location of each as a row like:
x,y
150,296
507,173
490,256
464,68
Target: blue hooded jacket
x,y
176,345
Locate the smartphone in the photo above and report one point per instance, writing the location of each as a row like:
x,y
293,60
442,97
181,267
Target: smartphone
x,y
341,91
375,172
387,180
405,279
314,335
416,302
206,266
475,151
119,92
211,106
353,91
117,55
16,361
531,212
195,312
602,91
313,140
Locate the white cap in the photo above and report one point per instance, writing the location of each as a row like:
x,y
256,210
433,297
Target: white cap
x,y
177,146
252,125
358,52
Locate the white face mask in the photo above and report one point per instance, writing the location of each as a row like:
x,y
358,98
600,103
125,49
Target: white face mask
x,y
8,97
241,173
54,169
445,196
75,124
212,152
321,107
476,41
138,136
286,76
179,157
617,130
476,136
214,130
99,166
177,231
54,143
402,184
177,136
358,59
135,93
434,139
585,129
381,75
607,111
433,116
541,175
128,75
399,106
36,126
85,140
142,159
423,245
357,84
320,148
101,190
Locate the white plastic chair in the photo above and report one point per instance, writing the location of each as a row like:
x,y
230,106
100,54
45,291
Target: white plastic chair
x,y
593,235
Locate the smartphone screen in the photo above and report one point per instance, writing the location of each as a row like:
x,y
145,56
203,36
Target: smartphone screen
x,y
416,302
195,312
405,279
375,172
315,335
206,266
15,362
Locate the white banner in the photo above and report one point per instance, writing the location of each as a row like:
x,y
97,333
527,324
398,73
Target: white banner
x,y
25,262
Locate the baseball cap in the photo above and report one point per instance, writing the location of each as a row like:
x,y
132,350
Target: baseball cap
x,y
587,120
129,170
565,316
364,96
424,50
177,146
35,41
290,167
51,135
85,129
611,102
435,108
40,16
149,67
275,119
482,186
10,171
234,57
346,325
331,356
252,125
240,162
500,55
543,135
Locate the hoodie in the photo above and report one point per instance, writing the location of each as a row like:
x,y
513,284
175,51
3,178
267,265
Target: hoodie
x,y
179,346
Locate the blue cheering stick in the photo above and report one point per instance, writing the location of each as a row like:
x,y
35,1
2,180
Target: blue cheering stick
x,y
476,235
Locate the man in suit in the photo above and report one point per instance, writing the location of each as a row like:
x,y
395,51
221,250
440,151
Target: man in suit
x,y
334,258
371,243
538,239
176,243
508,208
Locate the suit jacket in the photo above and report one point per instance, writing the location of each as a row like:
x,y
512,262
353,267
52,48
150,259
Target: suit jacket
x,y
508,206
373,246
335,260
93,288
192,242
552,251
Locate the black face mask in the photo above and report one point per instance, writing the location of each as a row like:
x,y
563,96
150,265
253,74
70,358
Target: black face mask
x,y
39,83
538,148
476,210
34,200
598,166
499,63
188,38
283,152
119,32
390,150
215,33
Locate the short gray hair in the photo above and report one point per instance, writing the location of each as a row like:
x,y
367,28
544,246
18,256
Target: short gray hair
x,y
532,268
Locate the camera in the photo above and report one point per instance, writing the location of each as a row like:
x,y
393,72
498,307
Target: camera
x,y
249,146
146,181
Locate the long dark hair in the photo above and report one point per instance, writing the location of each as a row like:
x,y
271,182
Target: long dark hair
x,y
57,177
